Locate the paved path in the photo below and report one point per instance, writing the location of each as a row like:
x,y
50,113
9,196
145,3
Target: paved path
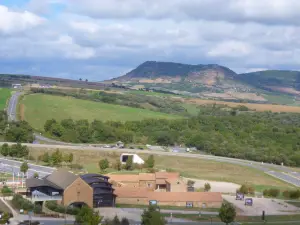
x,y
12,106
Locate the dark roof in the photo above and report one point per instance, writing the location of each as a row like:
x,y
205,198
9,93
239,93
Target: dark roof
x,y
38,182
62,178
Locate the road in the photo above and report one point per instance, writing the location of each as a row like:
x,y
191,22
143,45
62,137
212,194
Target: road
x,y
13,167
281,172
12,106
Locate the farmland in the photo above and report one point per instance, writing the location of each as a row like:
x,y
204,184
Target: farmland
x,y
4,95
40,107
252,106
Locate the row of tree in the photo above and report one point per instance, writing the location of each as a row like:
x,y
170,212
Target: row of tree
x,y
264,137
15,131
15,150
56,158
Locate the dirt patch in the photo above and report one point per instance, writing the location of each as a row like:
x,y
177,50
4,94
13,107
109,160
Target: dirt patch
x,y
216,186
285,90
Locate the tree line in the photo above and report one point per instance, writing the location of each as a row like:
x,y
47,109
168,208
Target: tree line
x,y
15,131
259,136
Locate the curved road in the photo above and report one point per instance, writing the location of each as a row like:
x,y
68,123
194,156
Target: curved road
x,y
281,172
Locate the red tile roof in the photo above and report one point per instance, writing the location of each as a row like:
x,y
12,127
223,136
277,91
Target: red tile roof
x,y
131,192
166,175
124,178
147,176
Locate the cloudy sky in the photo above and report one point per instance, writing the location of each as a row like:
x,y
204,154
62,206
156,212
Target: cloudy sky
x,y
101,39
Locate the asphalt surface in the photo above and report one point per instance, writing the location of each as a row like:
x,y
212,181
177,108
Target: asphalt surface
x,y
13,167
12,106
281,172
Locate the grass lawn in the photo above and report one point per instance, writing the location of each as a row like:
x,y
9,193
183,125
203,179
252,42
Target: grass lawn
x,y
5,93
188,167
168,207
40,107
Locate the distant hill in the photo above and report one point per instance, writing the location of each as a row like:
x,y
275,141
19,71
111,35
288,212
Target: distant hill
x,y
284,80
166,72
212,81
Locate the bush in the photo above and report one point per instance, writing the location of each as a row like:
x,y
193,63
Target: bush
x,y
6,191
76,166
53,206
246,189
21,203
272,192
295,194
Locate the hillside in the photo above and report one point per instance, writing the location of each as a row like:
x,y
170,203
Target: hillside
x,y
214,81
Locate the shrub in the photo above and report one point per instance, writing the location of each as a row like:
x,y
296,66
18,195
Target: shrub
x,y
6,191
53,206
246,189
272,192
21,203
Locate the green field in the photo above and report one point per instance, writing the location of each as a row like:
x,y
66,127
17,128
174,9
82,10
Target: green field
x,y
5,93
40,107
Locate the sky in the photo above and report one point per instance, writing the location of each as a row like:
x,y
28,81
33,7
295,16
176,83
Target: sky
x,y
102,39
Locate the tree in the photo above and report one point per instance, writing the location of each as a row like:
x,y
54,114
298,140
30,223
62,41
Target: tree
x,y
48,124
118,165
80,79
87,216
190,183
207,187
45,157
86,80
5,149
150,162
125,221
36,175
103,164
24,167
227,213
56,157
116,221
152,216
71,157
129,163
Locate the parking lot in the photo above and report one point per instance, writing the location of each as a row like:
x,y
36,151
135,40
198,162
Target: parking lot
x,y
270,206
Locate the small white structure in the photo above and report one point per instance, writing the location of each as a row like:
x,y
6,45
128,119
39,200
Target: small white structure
x,y
16,86
135,158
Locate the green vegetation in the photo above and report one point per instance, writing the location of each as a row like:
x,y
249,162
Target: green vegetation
x,y
16,150
6,191
40,107
19,202
56,158
53,206
5,93
88,216
260,136
152,216
227,213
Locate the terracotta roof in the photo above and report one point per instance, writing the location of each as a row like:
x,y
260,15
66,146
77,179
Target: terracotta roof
x,y
147,176
174,181
124,178
130,192
160,181
166,175
185,196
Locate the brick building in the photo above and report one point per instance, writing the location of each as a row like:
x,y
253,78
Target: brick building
x,y
70,189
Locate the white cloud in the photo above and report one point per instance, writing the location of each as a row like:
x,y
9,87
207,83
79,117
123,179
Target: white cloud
x,y
262,11
11,21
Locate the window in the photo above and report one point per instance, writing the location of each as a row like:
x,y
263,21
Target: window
x,y
189,204
149,185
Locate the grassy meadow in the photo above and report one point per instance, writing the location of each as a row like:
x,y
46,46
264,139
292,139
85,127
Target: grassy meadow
x,y
5,93
188,167
38,108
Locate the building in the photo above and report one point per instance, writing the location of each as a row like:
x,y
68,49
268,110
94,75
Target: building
x,y
16,86
142,196
135,158
160,181
70,189
103,195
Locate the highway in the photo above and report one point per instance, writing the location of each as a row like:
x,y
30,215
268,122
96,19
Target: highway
x,y
281,172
